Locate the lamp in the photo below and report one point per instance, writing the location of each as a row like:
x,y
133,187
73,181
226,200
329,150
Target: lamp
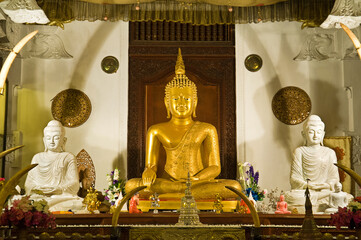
x,y
343,11
9,60
24,11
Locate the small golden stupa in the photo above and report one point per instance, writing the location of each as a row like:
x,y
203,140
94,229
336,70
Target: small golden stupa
x,y
309,229
188,211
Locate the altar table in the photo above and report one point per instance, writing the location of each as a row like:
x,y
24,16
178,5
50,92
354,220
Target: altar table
x,y
270,223
131,225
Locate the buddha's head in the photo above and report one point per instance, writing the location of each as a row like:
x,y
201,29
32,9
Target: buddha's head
x,y
180,93
282,198
313,131
338,187
54,137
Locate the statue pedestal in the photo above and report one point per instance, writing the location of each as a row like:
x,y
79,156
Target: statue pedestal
x,y
296,200
175,204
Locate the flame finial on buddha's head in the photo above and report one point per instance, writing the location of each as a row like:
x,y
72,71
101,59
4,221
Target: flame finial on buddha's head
x,y
179,66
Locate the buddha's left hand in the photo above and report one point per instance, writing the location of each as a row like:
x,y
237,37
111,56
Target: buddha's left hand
x,y
192,179
319,186
50,190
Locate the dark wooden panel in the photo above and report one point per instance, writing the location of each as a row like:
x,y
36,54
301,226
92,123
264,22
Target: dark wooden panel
x,y
170,31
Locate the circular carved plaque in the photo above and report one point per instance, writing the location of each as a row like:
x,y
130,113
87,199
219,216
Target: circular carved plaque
x,y
71,107
291,105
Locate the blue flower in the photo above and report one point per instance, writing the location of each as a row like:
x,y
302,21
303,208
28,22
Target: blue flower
x,y
251,172
256,176
255,196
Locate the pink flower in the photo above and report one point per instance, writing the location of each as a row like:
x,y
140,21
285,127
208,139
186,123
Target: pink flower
x,y
37,216
24,213
15,215
345,217
27,218
4,219
16,203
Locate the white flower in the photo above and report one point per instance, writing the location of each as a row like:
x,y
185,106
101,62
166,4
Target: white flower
x,y
111,196
109,180
247,164
116,174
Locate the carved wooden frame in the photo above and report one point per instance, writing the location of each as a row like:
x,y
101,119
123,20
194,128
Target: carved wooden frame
x,y
212,62
216,64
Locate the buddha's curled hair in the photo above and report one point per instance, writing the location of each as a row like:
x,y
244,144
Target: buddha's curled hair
x,y
180,81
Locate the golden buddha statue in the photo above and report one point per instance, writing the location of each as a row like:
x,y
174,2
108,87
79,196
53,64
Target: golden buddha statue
x,y
190,146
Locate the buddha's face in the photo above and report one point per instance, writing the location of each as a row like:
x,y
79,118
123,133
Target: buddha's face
x,y
54,140
338,187
314,134
282,198
181,102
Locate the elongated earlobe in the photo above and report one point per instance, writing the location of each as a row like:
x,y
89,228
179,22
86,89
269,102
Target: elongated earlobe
x,y
46,147
195,107
304,138
63,146
323,136
194,113
167,107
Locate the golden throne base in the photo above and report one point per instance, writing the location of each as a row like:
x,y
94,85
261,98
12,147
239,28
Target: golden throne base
x,y
175,204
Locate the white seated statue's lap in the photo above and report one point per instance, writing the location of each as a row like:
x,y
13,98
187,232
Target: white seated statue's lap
x,y
63,202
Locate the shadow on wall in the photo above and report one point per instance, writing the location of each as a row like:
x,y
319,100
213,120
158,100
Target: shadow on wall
x,y
262,100
86,59
271,88
81,74
119,163
326,105
29,102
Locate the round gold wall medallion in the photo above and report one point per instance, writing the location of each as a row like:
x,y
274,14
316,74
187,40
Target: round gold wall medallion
x,y
110,64
253,62
291,105
71,107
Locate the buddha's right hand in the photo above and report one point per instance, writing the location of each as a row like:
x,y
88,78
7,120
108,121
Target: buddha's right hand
x,y
148,177
48,191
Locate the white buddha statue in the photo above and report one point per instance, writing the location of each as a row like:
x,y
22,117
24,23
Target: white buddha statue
x,y
337,199
313,162
55,179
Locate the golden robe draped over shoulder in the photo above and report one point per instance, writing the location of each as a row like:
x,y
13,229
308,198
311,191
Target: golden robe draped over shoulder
x,y
188,153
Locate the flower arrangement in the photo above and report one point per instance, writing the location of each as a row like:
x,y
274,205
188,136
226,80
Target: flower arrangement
x,y
28,213
249,181
115,189
349,216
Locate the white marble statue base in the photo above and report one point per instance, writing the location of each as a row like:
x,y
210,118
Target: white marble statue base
x,y
297,199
